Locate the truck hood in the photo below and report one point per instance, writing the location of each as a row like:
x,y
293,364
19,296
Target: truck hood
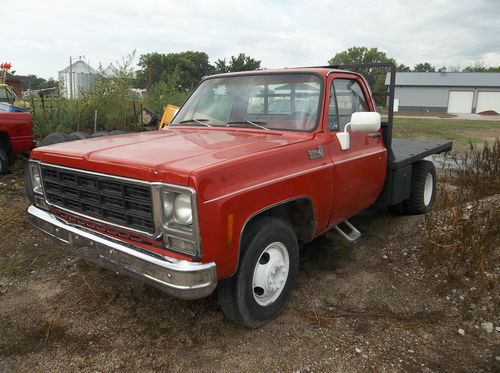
x,y
167,155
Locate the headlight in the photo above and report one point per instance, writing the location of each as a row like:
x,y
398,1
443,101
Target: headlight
x,y
182,209
181,231
36,180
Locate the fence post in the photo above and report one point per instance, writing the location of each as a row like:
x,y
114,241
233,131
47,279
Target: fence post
x,y
95,121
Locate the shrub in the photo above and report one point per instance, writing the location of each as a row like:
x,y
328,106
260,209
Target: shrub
x,y
462,233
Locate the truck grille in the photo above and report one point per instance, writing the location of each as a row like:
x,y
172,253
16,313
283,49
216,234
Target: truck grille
x,y
109,199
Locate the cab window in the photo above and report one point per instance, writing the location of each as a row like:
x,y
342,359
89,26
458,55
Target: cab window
x,y
346,97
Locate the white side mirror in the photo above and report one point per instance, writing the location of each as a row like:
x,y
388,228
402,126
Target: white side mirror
x,y
367,121
344,140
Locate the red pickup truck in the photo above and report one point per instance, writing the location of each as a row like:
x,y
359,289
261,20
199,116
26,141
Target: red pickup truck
x,y
16,136
252,166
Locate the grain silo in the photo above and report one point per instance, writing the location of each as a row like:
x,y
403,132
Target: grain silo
x,y
77,77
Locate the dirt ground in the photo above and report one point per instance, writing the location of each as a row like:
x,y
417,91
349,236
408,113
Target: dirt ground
x,y
368,306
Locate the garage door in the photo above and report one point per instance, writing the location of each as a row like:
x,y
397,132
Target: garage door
x,y
460,101
488,101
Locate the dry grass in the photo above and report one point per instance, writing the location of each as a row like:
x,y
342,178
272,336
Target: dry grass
x,y
462,235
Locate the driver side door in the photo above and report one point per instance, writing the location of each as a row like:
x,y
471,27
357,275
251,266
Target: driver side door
x,y
359,172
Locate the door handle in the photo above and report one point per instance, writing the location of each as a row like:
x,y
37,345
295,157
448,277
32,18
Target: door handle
x,y
374,135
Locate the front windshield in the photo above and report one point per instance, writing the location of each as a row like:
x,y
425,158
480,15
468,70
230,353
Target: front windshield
x,y
288,102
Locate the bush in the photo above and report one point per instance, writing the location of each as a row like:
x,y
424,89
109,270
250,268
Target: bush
x,y
462,235
110,98
162,94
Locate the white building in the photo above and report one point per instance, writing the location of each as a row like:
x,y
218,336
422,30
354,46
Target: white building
x,y
76,78
447,92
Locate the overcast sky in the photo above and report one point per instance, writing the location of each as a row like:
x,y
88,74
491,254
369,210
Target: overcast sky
x,y
39,36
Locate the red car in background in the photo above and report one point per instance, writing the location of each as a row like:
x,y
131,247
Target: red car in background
x,y
16,136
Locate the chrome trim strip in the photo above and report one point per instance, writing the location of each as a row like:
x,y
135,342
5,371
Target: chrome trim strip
x,y
180,278
270,182
96,173
359,157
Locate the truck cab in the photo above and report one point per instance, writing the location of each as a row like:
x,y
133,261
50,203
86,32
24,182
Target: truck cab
x,y
252,166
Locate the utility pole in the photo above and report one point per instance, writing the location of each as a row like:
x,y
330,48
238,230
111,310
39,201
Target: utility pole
x,y
70,78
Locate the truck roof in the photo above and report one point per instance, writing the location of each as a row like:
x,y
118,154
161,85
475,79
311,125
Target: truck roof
x,y
322,70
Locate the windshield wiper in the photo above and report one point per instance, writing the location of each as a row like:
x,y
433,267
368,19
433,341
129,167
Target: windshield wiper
x,y
256,124
199,121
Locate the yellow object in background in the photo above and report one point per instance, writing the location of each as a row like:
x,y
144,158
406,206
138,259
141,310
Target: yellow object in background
x,y
8,96
168,114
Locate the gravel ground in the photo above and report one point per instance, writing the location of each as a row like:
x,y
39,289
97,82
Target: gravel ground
x,y
370,306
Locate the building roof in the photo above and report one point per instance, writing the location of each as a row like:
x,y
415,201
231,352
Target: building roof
x,y
447,79
80,67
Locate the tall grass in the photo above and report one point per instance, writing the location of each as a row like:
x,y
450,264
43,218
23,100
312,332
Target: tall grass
x,y
110,99
462,236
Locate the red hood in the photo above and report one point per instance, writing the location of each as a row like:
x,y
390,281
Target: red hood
x,y
168,155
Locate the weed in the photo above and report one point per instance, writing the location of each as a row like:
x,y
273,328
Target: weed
x,y
462,233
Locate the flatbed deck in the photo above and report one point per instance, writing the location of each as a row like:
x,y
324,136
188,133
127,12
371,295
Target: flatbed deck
x,y
408,151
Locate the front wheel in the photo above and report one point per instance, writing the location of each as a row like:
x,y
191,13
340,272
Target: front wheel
x,y
4,162
267,270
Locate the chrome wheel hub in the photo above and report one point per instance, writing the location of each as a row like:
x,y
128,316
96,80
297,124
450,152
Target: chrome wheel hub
x,y
270,273
428,189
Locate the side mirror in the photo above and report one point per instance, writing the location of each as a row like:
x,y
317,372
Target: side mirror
x,y
368,121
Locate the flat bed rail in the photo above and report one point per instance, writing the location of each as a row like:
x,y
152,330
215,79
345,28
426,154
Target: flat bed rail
x,y
408,151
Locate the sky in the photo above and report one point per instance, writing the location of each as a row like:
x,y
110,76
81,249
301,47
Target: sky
x,y
39,36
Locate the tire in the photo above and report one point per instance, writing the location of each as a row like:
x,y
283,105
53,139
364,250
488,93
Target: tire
x,y
399,208
100,134
4,162
117,132
423,188
53,138
77,136
268,244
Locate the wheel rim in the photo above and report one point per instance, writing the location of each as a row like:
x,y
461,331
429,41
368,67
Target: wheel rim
x,y
270,274
428,189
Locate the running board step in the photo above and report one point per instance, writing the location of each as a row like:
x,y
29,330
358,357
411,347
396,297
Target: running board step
x,y
352,236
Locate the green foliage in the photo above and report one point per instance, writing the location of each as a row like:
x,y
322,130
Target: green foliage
x,y
34,82
403,68
187,67
424,67
109,97
240,63
163,93
364,55
480,66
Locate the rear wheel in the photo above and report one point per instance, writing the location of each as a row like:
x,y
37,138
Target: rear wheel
x,y
399,208
423,188
266,273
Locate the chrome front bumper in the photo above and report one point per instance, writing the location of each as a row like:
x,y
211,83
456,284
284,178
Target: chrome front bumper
x,y
180,278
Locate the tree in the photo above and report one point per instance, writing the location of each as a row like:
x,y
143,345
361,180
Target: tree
x,y
34,82
403,68
190,66
359,55
240,63
480,66
425,67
